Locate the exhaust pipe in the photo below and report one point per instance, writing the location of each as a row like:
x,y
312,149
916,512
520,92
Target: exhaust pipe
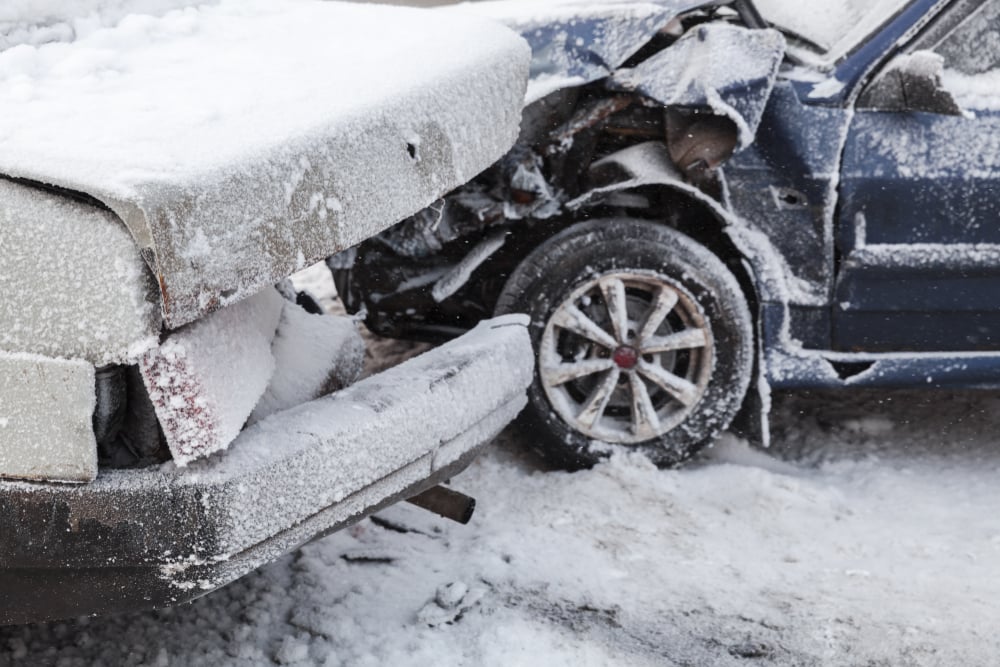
x,y
447,503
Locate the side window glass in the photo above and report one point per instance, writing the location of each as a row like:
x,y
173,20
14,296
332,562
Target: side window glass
x,y
961,71
972,59
974,46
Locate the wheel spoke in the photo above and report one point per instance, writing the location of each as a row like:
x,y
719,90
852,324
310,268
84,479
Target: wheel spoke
x,y
573,319
682,340
598,401
557,374
645,421
676,386
666,299
614,298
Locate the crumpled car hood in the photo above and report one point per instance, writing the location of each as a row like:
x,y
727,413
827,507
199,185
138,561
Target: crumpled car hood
x,y
574,42
243,140
727,68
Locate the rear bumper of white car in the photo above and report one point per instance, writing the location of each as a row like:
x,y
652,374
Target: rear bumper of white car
x,y
155,537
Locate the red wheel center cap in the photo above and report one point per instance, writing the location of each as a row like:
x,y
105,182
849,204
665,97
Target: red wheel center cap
x,y
626,357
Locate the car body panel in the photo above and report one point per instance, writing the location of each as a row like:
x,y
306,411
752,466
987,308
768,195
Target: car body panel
x,y
75,286
46,413
167,534
278,162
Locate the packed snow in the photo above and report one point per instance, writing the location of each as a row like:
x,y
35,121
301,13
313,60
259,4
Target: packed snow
x,y
287,124
864,536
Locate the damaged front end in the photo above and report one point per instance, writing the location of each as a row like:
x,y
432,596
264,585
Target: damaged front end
x,y
170,416
679,89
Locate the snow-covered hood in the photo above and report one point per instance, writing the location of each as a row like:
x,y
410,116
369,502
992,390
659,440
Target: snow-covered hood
x,y
241,140
574,42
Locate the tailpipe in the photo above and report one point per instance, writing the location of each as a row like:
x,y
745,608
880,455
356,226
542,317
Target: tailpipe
x,y
447,503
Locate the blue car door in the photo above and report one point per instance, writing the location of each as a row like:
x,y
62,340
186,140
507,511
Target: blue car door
x,y
918,224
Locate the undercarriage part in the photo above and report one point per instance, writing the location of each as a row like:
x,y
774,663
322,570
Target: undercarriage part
x,y
699,143
447,503
128,434
459,275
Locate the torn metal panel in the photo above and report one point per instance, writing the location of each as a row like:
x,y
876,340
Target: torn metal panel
x,y
46,406
459,275
726,68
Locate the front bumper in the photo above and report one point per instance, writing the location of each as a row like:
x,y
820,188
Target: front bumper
x,y
156,537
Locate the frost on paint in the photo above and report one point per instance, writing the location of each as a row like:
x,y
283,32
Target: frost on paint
x,y
286,163
45,419
74,285
205,380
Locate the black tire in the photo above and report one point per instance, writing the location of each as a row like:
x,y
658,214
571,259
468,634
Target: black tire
x,y
652,262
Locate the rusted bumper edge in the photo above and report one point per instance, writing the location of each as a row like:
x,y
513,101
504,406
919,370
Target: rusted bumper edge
x,y
156,537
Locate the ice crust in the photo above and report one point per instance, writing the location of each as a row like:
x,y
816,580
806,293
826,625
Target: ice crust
x,y
205,380
74,285
233,187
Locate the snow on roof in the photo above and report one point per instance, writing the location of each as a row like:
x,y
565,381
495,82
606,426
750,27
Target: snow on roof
x,y
241,141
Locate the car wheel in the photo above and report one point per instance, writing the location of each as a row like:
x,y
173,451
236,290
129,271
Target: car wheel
x,y
643,342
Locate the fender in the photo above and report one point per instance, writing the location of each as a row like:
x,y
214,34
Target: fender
x,y
649,164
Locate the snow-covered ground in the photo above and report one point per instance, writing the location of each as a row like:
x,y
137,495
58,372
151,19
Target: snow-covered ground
x,y
868,535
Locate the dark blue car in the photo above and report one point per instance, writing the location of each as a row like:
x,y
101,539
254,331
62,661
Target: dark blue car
x,y
712,199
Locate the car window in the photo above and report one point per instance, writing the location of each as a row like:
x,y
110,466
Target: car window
x,y
835,28
971,54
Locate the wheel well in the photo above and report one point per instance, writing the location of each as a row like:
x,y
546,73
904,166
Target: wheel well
x,y
683,212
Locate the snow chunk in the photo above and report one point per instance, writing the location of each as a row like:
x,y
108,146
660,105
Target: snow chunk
x,y
46,406
205,380
232,187
314,355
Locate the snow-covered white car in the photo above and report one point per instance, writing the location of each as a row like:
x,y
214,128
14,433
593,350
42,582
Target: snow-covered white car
x,y
165,417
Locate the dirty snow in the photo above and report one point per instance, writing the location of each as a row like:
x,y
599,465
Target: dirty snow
x,y
281,147
864,536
